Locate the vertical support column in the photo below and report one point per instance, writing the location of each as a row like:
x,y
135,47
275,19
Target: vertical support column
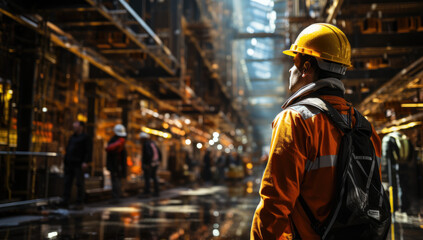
x,y
26,78
175,27
90,92
125,104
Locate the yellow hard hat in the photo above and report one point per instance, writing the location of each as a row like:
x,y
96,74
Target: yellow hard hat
x,y
323,41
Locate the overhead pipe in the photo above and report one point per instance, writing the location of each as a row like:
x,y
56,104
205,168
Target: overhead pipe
x,y
147,29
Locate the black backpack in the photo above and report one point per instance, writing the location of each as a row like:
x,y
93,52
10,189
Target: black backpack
x,y
362,209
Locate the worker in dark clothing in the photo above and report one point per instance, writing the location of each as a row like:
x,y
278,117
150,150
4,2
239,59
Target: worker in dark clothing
x,y
78,155
398,150
116,160
207,166
151,157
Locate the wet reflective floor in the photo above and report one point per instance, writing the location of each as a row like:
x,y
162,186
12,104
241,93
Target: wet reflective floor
x,y
212,212
208,212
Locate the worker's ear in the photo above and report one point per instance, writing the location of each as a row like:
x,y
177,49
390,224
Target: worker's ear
x,y
306,68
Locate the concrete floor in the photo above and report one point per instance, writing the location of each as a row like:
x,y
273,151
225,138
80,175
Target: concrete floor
x,y
208,212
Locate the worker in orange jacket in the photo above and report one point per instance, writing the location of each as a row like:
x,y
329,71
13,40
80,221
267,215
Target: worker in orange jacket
x,y
304,144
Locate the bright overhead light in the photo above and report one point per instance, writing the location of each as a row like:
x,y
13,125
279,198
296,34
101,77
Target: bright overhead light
x,y
219,147
187,142
404,105
199,145
211,142
400,127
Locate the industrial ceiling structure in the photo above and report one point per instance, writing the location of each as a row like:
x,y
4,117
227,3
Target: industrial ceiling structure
x,y
220,62
387,53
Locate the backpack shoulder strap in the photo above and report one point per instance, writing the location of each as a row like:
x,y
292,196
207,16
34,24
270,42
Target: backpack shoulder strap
x,y
362,123
327,108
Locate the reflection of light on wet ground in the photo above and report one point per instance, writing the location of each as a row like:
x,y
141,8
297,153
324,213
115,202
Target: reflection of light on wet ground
x,y
217,212
122,209
170,202
15,221
203,191
161,220
52,234
178,209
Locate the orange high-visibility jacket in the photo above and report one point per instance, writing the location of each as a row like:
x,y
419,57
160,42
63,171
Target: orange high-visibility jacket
x,y
302,159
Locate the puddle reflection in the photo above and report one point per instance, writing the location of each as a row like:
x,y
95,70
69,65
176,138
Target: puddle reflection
x,y
205,213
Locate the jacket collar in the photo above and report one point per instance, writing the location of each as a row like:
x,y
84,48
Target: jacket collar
x,y
314,86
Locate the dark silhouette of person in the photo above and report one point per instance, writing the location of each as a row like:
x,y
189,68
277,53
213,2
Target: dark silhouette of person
x,y
207,174
78,155
151,157
116,160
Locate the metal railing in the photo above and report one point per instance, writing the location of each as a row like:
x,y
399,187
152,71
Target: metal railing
x,y
9,156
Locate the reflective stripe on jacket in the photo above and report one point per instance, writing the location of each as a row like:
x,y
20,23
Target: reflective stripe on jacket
x,y
302,159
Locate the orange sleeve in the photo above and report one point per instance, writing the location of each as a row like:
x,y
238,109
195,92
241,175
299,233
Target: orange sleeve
x,y
282,177
116,146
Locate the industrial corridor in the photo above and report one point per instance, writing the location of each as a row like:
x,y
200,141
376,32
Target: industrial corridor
x,y
211,119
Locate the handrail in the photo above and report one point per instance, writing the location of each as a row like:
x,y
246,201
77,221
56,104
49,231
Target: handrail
x,y
46,156
27,153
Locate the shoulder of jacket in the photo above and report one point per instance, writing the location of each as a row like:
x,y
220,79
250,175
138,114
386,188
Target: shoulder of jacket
x,y
301,111
304,111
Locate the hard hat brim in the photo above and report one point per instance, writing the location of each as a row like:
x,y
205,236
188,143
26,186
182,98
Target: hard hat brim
x,y
289,53
292,53
121,134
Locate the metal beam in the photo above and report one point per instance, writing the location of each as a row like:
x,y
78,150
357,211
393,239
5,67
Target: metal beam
x,y
372,73
265,79
122,51
147,28
394,87
131,35
396,8
380,51
377,40
333,10
264,59
90,55
257,35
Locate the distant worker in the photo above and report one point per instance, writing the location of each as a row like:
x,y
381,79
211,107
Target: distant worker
x,y
398,150
305,142
78,155
207,166
151,157
220,167
116,160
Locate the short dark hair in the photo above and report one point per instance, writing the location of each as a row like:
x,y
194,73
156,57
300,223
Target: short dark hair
x,y
81,123
320,73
